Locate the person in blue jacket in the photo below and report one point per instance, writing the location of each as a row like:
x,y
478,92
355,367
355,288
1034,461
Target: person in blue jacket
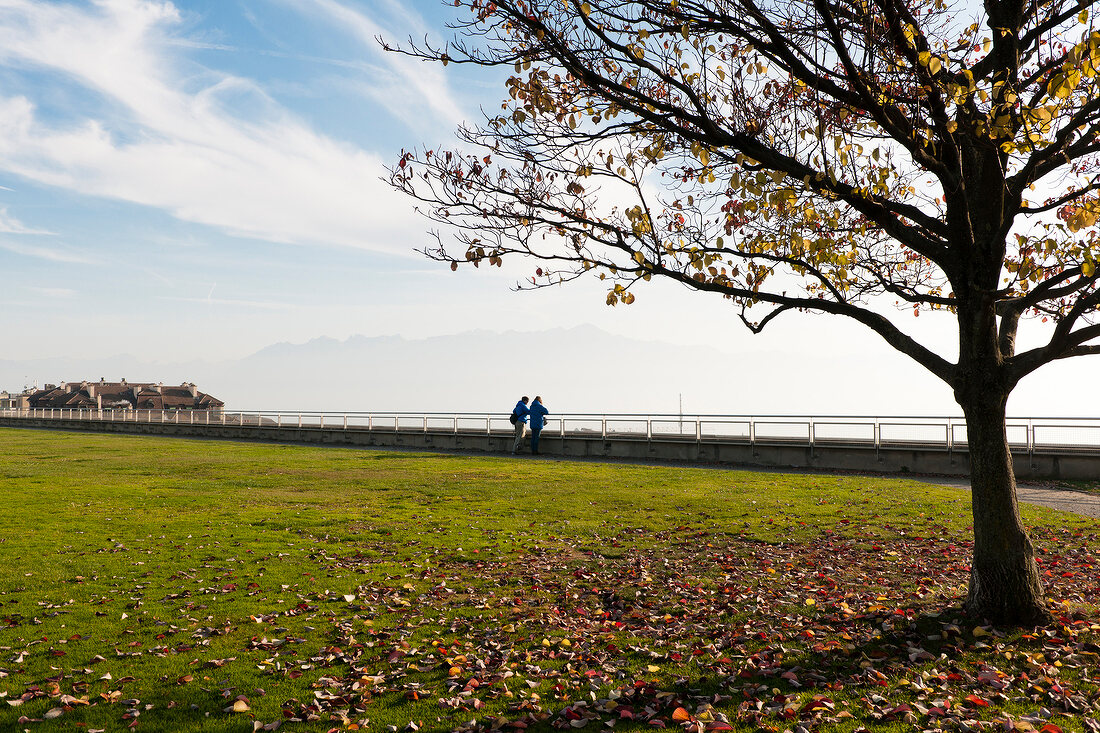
x,y
538,421
521,412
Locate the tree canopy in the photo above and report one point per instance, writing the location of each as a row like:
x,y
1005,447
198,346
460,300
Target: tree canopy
x,y
799,155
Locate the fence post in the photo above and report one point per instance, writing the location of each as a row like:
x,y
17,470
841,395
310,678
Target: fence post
x,y
1031,442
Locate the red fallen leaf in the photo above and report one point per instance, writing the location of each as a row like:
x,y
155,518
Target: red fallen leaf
x,y
718,725
1050,728
975,700
184,679
657,723
901,710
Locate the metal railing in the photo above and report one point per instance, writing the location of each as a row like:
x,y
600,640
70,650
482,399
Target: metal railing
x,y
1030,435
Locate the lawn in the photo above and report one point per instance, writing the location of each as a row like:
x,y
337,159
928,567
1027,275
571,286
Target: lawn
x,y
177,585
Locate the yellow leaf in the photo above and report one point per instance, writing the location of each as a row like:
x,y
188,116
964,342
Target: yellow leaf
x,y
586,9
934,65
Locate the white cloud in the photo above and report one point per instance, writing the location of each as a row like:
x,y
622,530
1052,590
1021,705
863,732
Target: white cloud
x,y
45,253
10,225
176,143
414,83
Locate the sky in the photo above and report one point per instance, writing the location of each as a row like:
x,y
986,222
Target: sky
x,y
200,179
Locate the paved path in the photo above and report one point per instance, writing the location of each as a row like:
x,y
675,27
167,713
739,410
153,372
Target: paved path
x,y
1066,500
1042,493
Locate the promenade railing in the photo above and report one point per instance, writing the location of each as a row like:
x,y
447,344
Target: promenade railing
x,y
1032,435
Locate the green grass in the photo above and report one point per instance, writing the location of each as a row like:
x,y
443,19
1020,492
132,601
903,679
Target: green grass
x,y
150,582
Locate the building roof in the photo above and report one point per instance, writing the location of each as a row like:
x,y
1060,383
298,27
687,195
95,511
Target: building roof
x,y
123,394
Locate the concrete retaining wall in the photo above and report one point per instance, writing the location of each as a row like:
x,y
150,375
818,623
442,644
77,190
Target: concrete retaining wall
x,y
893,459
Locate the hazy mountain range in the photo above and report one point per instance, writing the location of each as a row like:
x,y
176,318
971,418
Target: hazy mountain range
x,y
576,370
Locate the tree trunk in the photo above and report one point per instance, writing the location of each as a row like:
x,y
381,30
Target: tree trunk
x,y
1004,578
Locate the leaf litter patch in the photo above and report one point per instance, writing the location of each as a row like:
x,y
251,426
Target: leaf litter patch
x,y
704,632
685,628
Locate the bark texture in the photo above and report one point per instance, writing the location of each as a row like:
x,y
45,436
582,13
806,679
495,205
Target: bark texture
x,y
1004,579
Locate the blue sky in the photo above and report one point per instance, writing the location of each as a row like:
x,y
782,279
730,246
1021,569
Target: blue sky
x,y
208,173
199,179
212,170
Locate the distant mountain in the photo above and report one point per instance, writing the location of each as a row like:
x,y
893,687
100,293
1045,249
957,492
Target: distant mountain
x,y
579,369
575,370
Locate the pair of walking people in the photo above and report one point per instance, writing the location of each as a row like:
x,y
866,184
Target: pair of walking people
x,y
536,413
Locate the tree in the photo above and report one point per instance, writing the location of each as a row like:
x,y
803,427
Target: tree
x,y
804,156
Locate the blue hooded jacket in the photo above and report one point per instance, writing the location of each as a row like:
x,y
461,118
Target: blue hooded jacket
x,y
521,411
538,413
